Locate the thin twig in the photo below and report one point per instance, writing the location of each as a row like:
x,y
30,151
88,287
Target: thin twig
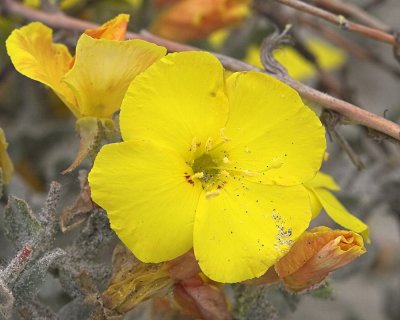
x,y
331,120
340,7
341,21
346,109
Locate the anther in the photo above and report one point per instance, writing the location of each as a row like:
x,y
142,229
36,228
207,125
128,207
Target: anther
x,y
212,194
209,144
247,172
194,145
198,175
223,136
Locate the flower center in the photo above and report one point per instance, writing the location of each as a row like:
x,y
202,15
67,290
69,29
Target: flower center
x,y
207,171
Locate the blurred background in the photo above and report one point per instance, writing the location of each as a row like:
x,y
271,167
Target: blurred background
x,y
42,140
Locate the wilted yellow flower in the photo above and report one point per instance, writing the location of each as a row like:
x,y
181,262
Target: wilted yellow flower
x,y
93,83
101,72
320,196
210,163
328,58
196,19
6,164
317,253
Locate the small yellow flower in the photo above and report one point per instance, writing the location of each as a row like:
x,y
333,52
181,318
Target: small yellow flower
x,y
298,67
6,164
100,73
196,19
210,163
317,253
320,197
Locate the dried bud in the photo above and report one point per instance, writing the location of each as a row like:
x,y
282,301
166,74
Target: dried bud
x,y
133,282
315,254
196,19
195,294
183,267
201,299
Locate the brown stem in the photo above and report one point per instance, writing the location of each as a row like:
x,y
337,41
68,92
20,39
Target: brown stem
x,y
341,21
340,7
348,110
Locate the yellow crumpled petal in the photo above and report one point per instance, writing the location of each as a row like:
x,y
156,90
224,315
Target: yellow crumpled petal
x,y
317,253
6,164
34,54
103,70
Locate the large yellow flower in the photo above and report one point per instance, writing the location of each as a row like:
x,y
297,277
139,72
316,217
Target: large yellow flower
x,y
210,163
321,197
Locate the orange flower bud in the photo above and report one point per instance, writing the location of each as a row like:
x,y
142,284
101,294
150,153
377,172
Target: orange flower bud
x,y
114,29
315,254
196,19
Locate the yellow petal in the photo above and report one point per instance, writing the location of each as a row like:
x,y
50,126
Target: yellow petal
x,y
243,231
339,213
271,132
103,70
148,199
315,254
6,165
34,54
315,204
322,180
179,101
114,29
